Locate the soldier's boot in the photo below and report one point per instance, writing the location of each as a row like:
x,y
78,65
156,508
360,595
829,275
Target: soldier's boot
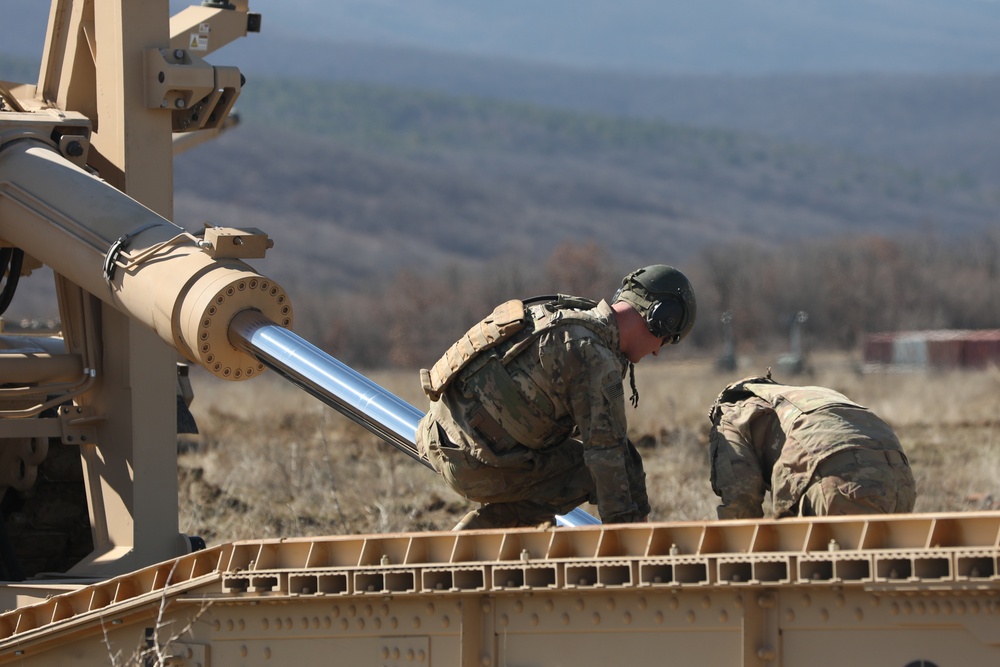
x,y
499,515
489,516
506,515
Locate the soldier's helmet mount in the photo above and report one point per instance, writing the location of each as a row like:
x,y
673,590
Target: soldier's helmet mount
x,y
665,299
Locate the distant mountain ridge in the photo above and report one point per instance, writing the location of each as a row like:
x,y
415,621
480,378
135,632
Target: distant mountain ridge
x,y
722,36
719,37
942,122
353,178
363,160
947,122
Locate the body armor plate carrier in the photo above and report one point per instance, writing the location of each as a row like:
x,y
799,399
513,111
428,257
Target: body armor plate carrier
x,y
505,321
480,359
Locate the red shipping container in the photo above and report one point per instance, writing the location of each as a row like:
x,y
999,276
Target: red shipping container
x,y
937,348
982,349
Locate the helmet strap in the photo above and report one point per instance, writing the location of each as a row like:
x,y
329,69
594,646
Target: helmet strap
x,y
634,399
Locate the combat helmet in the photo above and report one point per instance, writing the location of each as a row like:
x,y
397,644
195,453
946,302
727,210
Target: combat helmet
x,y
665,299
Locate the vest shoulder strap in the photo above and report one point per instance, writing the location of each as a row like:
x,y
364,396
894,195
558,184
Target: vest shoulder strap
x,y
506,320
795,400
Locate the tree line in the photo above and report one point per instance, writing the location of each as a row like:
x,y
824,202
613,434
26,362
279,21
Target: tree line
x,y
849,287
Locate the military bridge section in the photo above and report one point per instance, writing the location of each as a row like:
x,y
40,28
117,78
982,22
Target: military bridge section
x,y
907,591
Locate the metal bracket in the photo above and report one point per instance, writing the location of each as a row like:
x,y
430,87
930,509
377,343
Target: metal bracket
x,y
231,243
118,247
66,131
198,95
79,424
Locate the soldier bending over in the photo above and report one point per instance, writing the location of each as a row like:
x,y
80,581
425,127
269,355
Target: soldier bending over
x,y
818,452
527,412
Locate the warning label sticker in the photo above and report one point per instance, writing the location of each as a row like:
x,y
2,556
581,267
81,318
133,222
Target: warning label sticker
x,y
198,42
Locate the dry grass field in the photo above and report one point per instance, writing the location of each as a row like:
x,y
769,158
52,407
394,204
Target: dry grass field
x,y
271,461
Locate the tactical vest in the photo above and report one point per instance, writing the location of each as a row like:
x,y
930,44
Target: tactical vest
x,y
479,360
791,402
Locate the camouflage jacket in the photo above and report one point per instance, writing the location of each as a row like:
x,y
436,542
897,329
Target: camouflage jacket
x,y
774,436
543,388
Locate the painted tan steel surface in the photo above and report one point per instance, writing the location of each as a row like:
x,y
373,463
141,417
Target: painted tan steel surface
x,y
203,29
914,589
163,279
85,162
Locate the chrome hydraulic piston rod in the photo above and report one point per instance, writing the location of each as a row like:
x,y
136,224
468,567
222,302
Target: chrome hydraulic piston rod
x,y
341,387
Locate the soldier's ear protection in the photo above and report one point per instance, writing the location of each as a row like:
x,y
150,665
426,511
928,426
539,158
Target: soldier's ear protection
x,y
667,319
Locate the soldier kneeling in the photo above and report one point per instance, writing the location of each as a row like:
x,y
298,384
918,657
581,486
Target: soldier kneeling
x,y
818,452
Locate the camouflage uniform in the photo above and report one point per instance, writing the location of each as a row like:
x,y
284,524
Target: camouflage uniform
x,y
818,452
535,425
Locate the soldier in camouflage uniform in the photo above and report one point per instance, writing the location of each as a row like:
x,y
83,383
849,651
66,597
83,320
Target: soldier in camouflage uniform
x,y
818,452
527,412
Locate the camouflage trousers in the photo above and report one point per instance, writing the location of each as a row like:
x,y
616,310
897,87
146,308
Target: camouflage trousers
x,y
527,488
860,481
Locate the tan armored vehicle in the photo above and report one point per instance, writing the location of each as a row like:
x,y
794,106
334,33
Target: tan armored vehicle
x,y
98,573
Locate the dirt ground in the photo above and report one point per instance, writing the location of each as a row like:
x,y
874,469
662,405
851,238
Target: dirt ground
x,y
271,461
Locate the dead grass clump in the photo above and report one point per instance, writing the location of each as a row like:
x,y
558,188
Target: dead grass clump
x,y
272,461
